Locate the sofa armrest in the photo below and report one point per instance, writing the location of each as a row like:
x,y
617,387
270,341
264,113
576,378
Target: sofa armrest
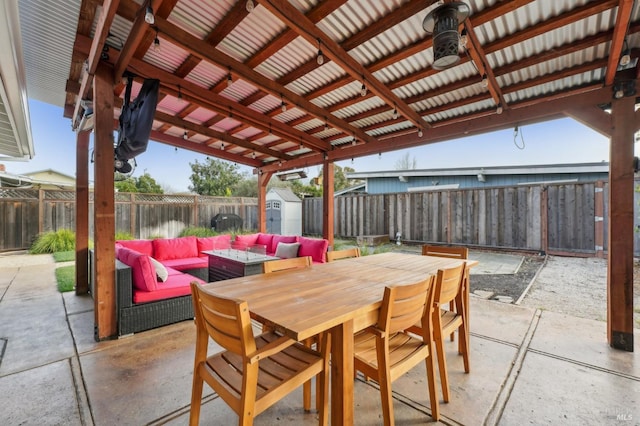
x,y
124,285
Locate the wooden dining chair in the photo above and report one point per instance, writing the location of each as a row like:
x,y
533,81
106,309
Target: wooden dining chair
x,y
283,264
343,254
453,252
447,288
252,372
385,351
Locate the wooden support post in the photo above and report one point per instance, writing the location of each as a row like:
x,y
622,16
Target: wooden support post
x,y
82,213
598,199
104,207
327,202
620,259
263,180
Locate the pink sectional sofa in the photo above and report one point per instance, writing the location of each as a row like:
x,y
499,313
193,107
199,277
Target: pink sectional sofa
x,y
314,247
153,276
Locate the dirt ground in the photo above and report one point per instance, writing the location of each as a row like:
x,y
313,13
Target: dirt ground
x,y
511,285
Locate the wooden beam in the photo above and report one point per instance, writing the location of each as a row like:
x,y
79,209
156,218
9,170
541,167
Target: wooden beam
x,y
263,181
104,207
294,19
328,170
621,235
623,18
593,117
109,8
82,213
209,53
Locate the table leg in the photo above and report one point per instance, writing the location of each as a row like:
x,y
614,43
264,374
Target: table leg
x,y
342,374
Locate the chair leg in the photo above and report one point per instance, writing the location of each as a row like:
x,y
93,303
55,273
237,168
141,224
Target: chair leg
x,y
442,366
431,383
196,399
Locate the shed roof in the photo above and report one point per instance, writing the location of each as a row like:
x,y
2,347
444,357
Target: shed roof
x,y
285,194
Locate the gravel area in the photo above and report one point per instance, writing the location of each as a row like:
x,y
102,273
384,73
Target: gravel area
x,y
508,285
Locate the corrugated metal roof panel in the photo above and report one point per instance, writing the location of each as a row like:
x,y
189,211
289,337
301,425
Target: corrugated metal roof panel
x,y
48,34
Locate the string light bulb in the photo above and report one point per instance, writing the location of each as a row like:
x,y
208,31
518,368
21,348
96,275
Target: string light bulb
x,y
250,6
395,113
222,146
180,94
499,109
156,43
320,57
463,39
420,133
253,155
149,17
354,142
485,81
229,79
626,57
184,135
363,90
283,106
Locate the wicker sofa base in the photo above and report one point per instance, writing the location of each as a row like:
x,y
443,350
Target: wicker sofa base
x,y
136,317
145,316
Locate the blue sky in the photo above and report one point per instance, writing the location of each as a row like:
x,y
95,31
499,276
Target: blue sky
x,y
552,142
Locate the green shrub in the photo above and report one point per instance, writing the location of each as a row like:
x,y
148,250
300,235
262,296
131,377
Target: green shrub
x,y
120,235
64,256
154,236
66,278
198,231
51,242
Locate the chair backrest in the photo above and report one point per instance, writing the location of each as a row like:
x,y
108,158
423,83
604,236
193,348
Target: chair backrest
x,y
225,320
343,254
282,264
448,282
406,305
456,252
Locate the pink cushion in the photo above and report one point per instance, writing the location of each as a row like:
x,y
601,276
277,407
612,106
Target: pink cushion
x,y
213,243
314,247
282,239
176,285
141,246
143,274
175,248
187,263
245,241
266,240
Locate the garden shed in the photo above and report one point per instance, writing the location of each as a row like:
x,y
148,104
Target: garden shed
x,y
284,212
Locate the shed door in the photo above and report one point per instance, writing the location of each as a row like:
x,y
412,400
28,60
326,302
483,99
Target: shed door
x,y
274,217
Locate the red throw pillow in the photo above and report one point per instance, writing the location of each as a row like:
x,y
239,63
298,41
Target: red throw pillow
x,y
213,243
314,247
143,273
141,246
175,248
244,241
266,240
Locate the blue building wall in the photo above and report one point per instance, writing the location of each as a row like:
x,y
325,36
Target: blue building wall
x,y
393,184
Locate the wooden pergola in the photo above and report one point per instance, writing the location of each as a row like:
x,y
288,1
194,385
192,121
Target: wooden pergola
x,y
284,84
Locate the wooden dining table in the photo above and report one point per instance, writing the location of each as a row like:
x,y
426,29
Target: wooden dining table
x,y
341,297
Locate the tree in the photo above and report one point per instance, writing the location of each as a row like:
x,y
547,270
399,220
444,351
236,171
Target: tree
x,y
246,187
340,180
144,184
406,162
214,177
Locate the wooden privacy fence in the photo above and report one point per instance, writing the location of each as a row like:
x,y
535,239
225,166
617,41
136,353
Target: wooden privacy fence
x,y
551,218
26,213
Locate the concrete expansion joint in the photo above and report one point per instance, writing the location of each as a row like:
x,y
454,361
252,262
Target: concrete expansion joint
x,y
497,408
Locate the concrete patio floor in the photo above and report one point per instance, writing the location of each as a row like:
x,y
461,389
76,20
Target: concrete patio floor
x,y
527,366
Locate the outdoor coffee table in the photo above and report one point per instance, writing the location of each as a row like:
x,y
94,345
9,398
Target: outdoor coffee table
x,y
230,263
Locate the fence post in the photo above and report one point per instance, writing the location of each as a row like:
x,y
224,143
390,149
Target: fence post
x,y
544,219
598,199
40,211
